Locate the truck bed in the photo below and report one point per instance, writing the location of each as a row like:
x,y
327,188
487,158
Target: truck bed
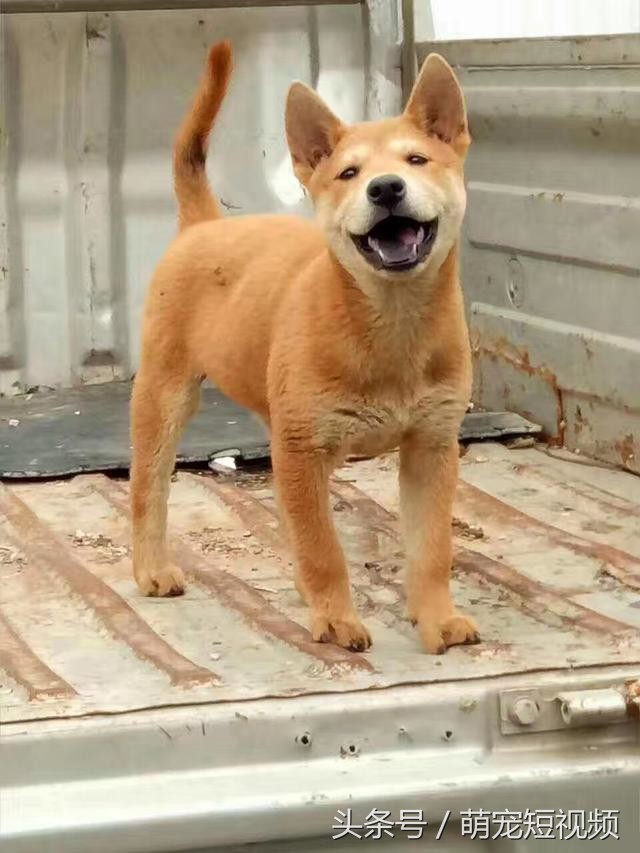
x,y
547,561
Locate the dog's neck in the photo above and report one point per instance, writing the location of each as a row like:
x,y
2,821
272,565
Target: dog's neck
x,y
387,303
395,326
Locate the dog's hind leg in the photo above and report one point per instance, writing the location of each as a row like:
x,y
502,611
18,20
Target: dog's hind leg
x,y
321,572
160,409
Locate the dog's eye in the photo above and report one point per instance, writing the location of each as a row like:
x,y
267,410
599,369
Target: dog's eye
x,y
347,174
417,159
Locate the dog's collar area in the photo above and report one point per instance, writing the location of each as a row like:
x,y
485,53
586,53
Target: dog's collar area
x,y
397,243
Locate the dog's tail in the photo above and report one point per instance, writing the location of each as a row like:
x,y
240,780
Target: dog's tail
x,y
196,202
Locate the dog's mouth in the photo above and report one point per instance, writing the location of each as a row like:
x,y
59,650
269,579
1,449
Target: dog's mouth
x,y
397,243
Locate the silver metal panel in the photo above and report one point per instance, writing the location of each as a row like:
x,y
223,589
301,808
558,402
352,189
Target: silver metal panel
x,y
135,724
551,257
213,777
90,105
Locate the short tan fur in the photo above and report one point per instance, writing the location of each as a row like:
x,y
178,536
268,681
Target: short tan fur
x,y
345,335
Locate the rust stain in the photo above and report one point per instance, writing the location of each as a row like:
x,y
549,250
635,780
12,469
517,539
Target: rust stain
x,y
518,357
491,650
501,349
579,422
240,596
43,548
617,453
26,668
632,692
609,400
620,564
536,598
259,518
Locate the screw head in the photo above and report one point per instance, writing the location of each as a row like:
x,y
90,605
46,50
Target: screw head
x,y
524,711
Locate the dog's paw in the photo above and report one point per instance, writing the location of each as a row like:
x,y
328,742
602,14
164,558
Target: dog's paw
x,y
454,630
347,631
165,582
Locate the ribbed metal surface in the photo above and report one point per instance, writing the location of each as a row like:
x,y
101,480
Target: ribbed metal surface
x,y
551,263
89,107
547,560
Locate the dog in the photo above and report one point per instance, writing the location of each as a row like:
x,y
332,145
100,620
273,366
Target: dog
x,y
346,336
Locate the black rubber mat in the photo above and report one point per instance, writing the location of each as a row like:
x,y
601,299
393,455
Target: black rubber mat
x,y
87,429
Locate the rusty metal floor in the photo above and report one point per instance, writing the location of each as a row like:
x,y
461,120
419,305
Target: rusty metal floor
x,y
548,561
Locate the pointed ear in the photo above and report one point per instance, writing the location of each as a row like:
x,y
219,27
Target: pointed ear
x,y
312,130
436,104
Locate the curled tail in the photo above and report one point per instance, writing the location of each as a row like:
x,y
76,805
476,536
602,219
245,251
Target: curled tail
x,y
196,202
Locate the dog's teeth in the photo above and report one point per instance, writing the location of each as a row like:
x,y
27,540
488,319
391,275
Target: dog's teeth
x,y
373,244
420,234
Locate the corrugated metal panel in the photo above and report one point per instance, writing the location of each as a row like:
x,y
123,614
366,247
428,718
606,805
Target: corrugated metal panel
x,y
551,259
469,19
90,105
547,586
137,724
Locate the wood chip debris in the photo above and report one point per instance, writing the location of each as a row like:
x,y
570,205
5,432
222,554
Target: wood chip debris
x,y
8,555
98,541
467,531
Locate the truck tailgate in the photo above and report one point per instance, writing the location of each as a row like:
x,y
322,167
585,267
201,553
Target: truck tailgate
x,y
548,561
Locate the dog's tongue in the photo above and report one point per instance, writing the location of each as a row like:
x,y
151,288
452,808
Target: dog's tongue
x,y
399,247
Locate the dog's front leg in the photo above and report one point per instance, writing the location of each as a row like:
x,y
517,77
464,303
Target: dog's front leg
x,y
321,573
428,477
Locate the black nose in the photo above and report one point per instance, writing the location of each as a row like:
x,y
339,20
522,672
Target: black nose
x,y
387,190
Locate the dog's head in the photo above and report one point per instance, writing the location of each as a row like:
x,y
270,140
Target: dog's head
x,y
389,195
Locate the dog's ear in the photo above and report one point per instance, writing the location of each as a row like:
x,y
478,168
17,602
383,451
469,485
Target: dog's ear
x,y
436,104
312,130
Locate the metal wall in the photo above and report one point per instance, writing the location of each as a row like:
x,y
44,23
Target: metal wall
x,y
90,105
551,258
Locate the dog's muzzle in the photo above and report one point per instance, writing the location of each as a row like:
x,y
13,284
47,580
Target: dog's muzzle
x,y
397,243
